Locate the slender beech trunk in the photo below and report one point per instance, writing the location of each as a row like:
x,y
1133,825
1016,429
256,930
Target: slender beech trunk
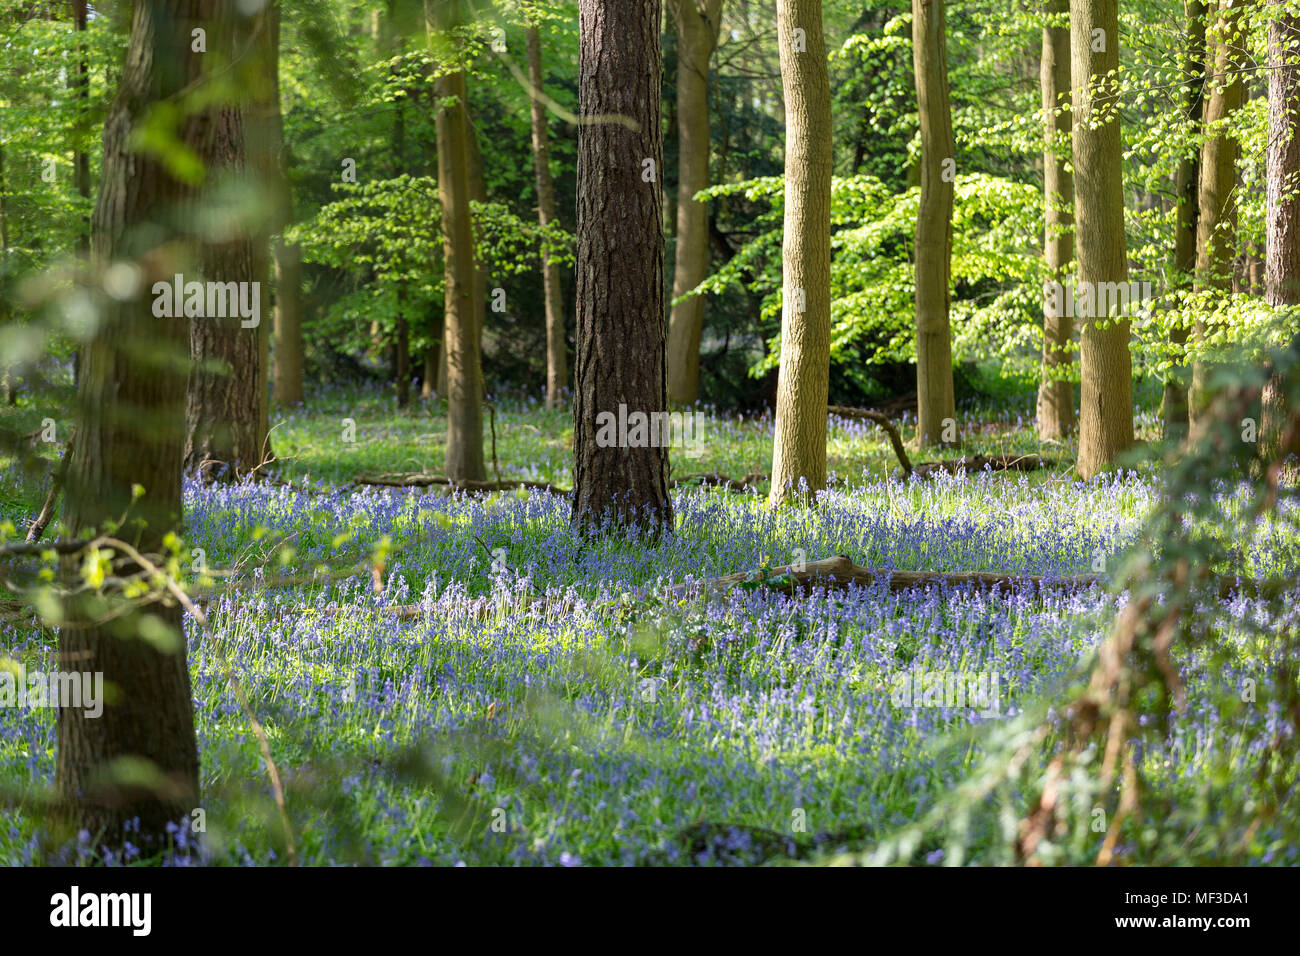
x,y
463,459
1187,185
936,419
1105,366
557,364
1055,390
138,759
81,85
287,257
1282,213
799,451
620,479
402,333
697,35
1216,226
477,194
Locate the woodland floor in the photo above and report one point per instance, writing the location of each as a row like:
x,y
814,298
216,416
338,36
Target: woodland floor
x,y
548,710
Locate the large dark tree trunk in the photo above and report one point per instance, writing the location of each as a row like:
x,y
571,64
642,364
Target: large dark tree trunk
x,y
936,406
557,363
1055,390
1282,215
620,267
226,404
463,459
1105,366
697,34
139,759
226,407
1187,185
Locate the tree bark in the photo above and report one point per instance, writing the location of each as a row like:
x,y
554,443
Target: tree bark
x,y
1282,210
131,430
799,450
557,363
697,35
1186,188
936,404
463,459
226,409
287,257
477,194
620,269
1216,226
1106,390
1056,391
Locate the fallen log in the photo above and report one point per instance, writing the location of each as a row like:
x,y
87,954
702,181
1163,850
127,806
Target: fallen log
x,y
841,572
421,480
865,414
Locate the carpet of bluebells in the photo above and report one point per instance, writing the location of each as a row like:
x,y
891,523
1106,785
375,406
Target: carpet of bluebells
x,y
541,702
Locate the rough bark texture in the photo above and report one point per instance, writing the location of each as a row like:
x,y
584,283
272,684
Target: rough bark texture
x,y
1216,225
1106,390
557,361
1186,189
1055,392
934,387
131,429
226,403
799,451
620,267
464,450
697,34
226,408
1282,211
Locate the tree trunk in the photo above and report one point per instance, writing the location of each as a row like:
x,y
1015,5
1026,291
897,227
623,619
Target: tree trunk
x,y
697,35
227,402
225,409
557,365
81,158
1186,188
1282,211
1216,225
131,430
464,450
1055,391
477,194
799,451
287,323
936,417
620,271
1106,390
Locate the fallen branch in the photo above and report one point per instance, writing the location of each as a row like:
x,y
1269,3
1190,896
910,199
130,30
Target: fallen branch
x,y
713,479
864,414
56,485
980,462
